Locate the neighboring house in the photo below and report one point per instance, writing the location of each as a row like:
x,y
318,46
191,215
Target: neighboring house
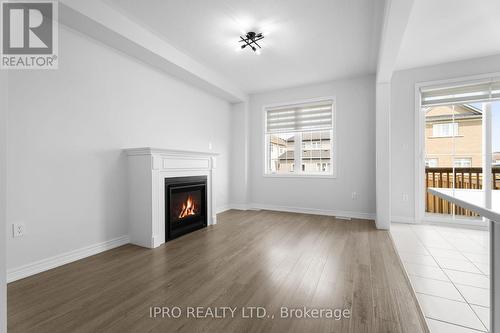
x,y
496,158
278,147
453,137
315,156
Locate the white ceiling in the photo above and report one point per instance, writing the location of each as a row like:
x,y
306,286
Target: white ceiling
x,y
442,31
305,41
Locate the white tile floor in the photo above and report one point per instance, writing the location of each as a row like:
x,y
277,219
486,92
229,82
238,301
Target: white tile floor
x,y
448,269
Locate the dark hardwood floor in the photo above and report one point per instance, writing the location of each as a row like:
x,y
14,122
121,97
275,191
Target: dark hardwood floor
x,y
252,258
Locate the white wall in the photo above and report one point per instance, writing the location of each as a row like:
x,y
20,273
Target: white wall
x,y
67,127
355,107
403,124
239,155
3,229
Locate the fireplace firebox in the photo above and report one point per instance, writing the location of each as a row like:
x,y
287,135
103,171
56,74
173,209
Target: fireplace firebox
x,y
185,205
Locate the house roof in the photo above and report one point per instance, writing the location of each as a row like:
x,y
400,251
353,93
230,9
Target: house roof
x,y
278,141
444,113
473,108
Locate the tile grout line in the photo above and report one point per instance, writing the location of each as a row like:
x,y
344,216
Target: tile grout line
x,y
447,322
449,299
449,279
480,317
439,266
454,248
456,288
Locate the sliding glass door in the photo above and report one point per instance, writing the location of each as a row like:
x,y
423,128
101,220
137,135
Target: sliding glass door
x,y
461,145
495,155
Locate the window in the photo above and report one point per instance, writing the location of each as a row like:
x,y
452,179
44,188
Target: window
x,y
462,162
445,130
300,134
431,162
311,145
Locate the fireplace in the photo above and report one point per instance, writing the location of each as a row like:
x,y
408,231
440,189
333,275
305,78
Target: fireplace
x,y
185,205
153,173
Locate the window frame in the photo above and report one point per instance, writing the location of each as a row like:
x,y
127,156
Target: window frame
x,y
461,159
454,126
435,159
298,147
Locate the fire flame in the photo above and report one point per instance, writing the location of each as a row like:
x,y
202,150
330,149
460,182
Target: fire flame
x,y
188,208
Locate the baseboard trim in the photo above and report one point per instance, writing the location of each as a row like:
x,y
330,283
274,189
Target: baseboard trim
x,y
479,225
39,266
239,206
458,224
403,219
234,206
340,213
222,209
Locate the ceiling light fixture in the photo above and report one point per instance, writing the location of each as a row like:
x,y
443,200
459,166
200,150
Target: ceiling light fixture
x,y
250,40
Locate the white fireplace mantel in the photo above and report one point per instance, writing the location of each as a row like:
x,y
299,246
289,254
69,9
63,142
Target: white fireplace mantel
x,y
147,170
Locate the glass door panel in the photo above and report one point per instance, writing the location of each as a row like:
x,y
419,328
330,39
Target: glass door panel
x,y
453,154
495,156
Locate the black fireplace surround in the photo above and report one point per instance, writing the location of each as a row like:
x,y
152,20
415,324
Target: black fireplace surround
x,y
185,205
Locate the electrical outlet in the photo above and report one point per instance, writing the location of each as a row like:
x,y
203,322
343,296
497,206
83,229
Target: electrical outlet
x,y
354,196
405,197
18,229
210,146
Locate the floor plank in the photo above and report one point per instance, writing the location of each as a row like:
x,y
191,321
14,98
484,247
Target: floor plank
x,y
253,258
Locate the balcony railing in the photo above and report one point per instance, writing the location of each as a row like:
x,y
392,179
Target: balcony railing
x,y
463,178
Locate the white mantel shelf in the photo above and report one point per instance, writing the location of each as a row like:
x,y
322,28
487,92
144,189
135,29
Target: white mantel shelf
x,y
160,151
147,170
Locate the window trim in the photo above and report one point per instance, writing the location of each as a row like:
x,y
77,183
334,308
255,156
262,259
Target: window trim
x,y
333,147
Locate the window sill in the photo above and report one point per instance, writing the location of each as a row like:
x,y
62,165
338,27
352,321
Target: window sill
x,y
445,137
312,176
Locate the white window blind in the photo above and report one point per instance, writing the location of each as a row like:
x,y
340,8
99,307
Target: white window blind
x,y
478,92
310,116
